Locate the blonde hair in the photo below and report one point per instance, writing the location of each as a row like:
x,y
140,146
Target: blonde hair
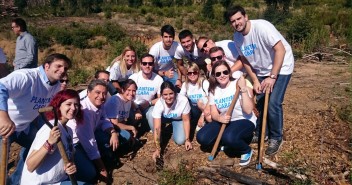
x,y
122,63
195,67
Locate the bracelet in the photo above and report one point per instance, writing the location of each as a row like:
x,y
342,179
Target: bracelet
x,y
50,148
112,131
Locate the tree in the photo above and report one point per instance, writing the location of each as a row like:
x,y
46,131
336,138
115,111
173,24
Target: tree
x,y
21,4
208,11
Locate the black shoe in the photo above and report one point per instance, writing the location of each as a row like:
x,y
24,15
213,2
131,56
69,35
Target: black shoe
x,y
273,147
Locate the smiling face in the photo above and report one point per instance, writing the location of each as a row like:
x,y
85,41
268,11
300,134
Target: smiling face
x,y
98,95
130,58
147,65
56,70
130,93
216,56
222,75
69,108
169,96
239,22
188,43
192,75
205,45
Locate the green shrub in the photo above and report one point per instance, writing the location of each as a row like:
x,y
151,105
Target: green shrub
x,y
179,176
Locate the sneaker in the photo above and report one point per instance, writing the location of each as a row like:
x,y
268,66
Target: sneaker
x,y
246,158
255,139
273,147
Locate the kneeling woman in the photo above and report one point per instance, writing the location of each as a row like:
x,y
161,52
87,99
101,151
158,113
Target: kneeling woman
x,y
174,108
241,124
44,164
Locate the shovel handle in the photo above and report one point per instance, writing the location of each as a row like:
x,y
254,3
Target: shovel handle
x,y
223,126
4,156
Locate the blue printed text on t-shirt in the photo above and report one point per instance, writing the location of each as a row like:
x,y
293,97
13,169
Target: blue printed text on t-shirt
x,y
39,102
145,90
170,115
223,102
249,49
195,97
165,59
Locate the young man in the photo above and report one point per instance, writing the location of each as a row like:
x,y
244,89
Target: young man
x,y
96,131
26,55
148,84
189,52
263,49
204,45
22,93
217,54
164,53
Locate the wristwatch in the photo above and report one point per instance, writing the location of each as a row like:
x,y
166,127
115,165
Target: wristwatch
x,y
272,76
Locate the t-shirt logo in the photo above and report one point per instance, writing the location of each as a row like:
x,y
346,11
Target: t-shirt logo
x,y
248,50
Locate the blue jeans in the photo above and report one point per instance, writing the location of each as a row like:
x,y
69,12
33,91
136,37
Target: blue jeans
x,y
68,182
237,135
173,79
195,112
275,120
178,130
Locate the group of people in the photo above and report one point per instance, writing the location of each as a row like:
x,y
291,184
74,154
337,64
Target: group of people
x,y
188,84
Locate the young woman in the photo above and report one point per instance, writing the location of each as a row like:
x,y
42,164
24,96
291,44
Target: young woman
x,y
195,88
118,108
240,124
123,66
44,164
174,108
64,82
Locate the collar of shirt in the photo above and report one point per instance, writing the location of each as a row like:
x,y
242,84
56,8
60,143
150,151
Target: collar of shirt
x,y
45,77
23,34
86,103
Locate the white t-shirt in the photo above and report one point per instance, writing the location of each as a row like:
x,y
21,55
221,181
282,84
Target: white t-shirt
x,y
28,91
222,99
116,75
257,47
147,88
230,51
117,108
196,56
195,92
51,170
179,107
163,59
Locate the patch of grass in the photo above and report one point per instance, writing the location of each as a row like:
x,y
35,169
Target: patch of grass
x,y
179,176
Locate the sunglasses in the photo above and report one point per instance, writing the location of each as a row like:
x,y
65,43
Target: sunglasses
x,y
62,81
217,74
204,46
216,58
192,73
147,63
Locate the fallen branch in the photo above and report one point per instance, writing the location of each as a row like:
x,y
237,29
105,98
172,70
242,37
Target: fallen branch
x,y
239,177
341,51
338,146
286,170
